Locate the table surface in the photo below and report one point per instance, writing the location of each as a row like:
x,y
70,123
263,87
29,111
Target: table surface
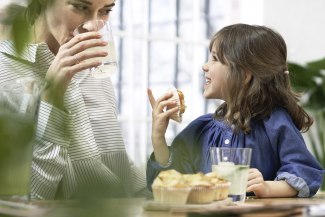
x,y
133,207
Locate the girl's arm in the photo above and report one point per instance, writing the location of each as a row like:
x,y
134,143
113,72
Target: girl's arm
x,y
160,120
263,188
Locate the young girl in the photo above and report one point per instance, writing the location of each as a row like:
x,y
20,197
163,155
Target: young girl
x,y
248,70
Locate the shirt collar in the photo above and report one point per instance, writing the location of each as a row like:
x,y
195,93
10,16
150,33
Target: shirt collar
x,y
29,54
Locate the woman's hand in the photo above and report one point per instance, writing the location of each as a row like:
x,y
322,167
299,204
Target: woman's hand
x,y
69,61
256,183
160,120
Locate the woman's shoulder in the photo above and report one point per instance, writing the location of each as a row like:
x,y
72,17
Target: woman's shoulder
x,y
6,46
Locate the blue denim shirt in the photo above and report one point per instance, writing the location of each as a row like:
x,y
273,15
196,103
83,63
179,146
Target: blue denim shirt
x,y
278,150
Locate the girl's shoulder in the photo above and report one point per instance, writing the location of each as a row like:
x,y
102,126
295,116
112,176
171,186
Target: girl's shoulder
x,y
205,123
279,116
204,120
279,119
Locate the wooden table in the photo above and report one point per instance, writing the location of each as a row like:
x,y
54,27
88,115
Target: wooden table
x,y
133,207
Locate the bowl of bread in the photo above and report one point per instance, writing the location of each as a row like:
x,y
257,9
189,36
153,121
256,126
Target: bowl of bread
x,y
172,187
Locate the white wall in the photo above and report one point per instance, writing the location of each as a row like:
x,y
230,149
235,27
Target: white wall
x,y
301,23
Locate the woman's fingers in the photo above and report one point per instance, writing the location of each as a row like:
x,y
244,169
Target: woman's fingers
x,y
72,55
77,50
82,37
88,54
82,48
80,53
80,66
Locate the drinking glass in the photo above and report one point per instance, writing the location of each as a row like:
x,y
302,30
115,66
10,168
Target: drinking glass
x,y
232,164
109,63
19,102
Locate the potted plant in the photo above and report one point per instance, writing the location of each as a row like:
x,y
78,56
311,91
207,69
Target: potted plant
x,y
310,80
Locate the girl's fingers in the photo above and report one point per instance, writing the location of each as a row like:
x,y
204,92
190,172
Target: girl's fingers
x,y
172,111
252,182
161,103
253,187
253,173
164,104
251,176
152,99
164,97
166,115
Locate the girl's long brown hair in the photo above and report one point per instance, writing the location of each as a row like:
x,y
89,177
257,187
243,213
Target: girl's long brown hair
x,y
261,52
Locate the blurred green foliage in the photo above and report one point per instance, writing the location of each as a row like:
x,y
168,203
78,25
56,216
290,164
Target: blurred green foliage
x,y
16,146
310,79
19,29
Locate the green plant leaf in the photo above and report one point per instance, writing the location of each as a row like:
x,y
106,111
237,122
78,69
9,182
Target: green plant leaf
x,y
20,32
15,22
301,77
317,65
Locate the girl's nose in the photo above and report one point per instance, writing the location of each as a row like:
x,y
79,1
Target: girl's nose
x,y
205,67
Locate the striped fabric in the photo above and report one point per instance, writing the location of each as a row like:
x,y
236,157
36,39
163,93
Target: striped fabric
x,y
82,146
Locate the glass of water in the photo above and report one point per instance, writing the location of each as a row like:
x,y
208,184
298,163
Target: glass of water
x,y
109,63
232,164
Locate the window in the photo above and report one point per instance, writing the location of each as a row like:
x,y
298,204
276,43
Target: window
x,y
163,43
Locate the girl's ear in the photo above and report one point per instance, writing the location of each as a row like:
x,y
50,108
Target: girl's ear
x,y
248,77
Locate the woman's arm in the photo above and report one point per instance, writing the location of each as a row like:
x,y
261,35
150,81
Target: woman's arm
x,y
50,155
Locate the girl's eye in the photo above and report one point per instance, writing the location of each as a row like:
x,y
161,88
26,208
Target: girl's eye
x,y
215,58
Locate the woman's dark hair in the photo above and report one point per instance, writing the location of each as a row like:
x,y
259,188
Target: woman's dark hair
x,y
261,52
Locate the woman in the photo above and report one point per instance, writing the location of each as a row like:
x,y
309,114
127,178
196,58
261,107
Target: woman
x,y
248,70
79,141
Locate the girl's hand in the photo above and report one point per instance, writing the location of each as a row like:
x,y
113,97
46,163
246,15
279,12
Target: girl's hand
x,y
70,60
160,120
256,183
264,189
160,117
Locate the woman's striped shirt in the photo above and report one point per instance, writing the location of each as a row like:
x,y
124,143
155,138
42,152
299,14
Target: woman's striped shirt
x,y
81,146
